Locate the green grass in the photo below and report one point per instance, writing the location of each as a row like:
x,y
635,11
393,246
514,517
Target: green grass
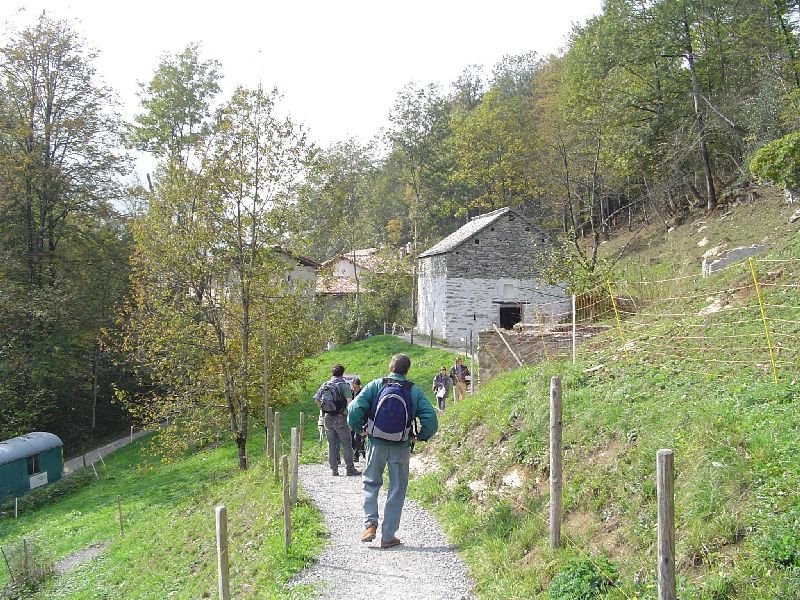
x,y
168,548
734,433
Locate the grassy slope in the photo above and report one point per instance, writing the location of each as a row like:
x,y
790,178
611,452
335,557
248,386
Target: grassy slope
x,y
168,549
735,440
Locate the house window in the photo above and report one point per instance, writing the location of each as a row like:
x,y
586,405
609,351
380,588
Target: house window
x,y
33,464
477,241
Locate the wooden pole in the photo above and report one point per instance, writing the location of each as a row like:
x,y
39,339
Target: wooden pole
x,y
8,566
295,449
471,364
265,378
574,332
96,476
431,338
267,431
16,507
119,510
131,434
287,508
502,337
665,481
302,428
26,560
555,462
276,449
223,571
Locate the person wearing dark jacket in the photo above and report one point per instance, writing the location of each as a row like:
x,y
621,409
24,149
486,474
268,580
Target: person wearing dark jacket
x,y
441,387
335,423
394,454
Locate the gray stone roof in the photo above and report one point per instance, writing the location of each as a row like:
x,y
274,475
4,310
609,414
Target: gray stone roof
x,y
461,235
27,445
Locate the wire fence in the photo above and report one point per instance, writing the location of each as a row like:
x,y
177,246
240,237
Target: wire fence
x,y
746,316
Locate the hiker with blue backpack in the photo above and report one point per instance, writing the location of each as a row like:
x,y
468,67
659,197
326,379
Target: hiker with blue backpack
x,y
388,407
332,398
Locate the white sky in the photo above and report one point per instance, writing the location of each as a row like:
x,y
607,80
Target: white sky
x,y
338,63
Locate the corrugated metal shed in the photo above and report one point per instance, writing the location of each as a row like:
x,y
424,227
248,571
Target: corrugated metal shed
x,y
27,445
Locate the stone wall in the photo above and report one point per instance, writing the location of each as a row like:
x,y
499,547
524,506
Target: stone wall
x,y
510,247
432,296
461,291
531,344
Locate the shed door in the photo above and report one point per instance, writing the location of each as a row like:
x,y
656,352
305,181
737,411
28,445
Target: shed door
x,y
510,315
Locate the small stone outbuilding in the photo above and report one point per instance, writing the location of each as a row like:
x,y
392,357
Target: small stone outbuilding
x,y
485,274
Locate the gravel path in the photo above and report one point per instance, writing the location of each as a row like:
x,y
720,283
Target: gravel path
x,y
424,566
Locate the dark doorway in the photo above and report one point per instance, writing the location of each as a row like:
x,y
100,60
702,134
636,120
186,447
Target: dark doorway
x,y
510,315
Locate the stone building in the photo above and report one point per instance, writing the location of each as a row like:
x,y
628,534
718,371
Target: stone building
x,y
485,274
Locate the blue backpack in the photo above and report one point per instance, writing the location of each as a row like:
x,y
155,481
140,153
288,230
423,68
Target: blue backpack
x,y
391,413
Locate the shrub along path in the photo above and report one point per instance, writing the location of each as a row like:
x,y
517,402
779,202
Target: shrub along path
x,y
425,565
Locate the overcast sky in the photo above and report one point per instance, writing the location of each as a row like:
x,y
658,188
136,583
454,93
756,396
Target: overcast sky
x,y
338,63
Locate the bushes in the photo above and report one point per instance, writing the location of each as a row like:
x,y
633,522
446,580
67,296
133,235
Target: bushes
x,y
779,162
583,579
48,494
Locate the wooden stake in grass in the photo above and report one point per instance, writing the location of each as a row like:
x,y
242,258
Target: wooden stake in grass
x,y
276,449
295,449
267,431
555,462
96,476
300,433
16,507
119,509
287,508
223,572
665,481
8,566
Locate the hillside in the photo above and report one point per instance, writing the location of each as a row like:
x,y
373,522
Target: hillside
x,y
734,432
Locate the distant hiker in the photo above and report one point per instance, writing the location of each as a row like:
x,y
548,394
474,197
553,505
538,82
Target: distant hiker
x,y
458,374
332,398
358,436
368,334
441,387
388,407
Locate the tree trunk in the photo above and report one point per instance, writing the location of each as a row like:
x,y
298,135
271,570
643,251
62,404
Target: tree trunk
x,y
711,194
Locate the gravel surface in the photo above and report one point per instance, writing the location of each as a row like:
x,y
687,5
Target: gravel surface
x,y
425,565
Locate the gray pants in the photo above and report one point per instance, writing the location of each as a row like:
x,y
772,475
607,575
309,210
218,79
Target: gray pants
x,y
337,432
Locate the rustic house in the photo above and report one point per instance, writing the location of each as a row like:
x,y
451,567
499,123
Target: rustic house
x,y
337,276
485,274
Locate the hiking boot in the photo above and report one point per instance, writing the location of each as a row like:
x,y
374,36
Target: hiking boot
x,y
369,533
390,543
353,471
335,472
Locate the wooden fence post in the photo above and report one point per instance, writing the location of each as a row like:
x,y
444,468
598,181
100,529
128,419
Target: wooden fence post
x,y
223,571
287,508
555,462
119,510
574,333
295,449
267,431
665,483
302,428
276,449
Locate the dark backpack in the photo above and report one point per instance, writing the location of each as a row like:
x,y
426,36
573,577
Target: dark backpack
x,y
391,413
330,398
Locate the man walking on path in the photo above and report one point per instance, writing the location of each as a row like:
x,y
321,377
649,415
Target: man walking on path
x,y
332,398
459,373
389,407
